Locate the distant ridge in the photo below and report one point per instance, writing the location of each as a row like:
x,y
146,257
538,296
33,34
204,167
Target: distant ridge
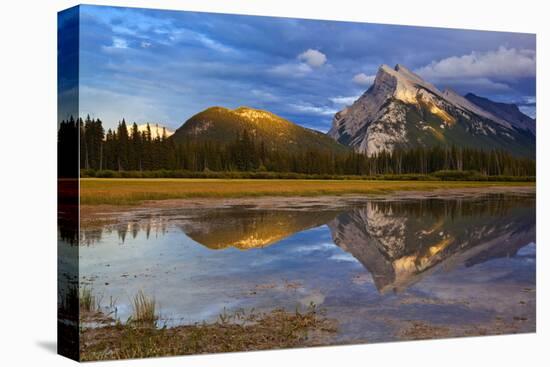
x,y
506,111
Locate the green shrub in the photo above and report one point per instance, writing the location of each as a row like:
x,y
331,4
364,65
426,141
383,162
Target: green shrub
x,y
447,175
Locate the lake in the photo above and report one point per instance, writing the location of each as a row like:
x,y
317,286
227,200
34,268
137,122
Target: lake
x,y
385,269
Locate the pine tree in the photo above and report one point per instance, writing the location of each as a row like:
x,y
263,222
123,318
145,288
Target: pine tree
x,y
122,146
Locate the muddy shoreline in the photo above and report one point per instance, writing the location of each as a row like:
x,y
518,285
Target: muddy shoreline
x,y
91,215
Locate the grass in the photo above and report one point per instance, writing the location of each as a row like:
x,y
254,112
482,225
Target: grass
x,y
97,191
233,332
144,310
140,336
87,300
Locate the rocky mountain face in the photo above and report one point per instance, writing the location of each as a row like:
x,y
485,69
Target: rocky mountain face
x,y
219,124
506,111
401,110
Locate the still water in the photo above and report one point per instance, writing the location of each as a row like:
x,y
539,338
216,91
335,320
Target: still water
x,y
381,268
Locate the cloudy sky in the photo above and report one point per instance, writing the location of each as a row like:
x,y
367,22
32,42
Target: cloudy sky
x,y
165,66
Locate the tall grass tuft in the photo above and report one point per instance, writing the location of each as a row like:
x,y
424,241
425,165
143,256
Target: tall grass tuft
x,y
144,310
87,300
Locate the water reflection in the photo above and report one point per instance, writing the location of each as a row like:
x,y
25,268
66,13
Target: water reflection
x,y
152,226
400,242
397,242
248,229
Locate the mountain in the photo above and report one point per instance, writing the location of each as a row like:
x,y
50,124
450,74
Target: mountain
x,y
507,111
222,125
401,110
156,130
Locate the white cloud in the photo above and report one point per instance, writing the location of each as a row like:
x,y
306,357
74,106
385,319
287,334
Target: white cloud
x,y
313,58
145,44
119,42
123,30
503,63
183,34
117,45
213,44
363,79
308,60
313,110
530,111
485,84
530,99
292,69
344,100
315,247
344,257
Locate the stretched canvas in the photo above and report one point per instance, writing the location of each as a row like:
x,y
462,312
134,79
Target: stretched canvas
x,y
239,183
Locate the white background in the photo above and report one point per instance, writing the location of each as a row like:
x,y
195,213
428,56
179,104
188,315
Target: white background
x,y
28,181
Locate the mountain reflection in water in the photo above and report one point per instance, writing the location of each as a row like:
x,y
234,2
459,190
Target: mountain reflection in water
x,y
398,242
251,228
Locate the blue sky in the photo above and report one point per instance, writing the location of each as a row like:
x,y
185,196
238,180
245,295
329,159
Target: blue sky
x,y
164,66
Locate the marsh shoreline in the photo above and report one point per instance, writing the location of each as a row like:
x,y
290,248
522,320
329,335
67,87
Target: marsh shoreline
x,y
104,213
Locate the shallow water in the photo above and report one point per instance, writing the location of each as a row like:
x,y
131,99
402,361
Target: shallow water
x,y
378,267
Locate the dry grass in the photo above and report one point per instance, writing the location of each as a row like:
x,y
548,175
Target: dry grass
x,y
419,330
135,191
235,332
144,310
87,300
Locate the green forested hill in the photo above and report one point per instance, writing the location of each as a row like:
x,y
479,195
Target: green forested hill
x,y
223,125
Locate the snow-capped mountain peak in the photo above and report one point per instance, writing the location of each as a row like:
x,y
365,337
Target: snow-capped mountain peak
x,y
156,130
401,109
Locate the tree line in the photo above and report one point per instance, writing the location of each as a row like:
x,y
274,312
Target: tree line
x,y
127,149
